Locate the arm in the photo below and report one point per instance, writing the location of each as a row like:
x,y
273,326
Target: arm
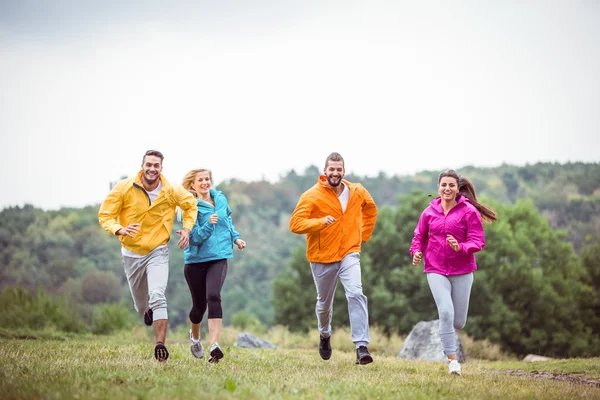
x,y
200,234
234,234
110,209
369,216
300,221
475,236
421,236
188,205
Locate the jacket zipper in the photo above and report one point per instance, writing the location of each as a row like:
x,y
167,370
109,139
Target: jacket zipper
x,y
445,247
143,190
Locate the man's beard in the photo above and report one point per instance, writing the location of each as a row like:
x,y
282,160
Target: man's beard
x,y
149,180
337,183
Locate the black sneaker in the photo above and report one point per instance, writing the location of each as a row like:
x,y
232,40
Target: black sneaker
x,y
325,348
148,317
362,356
160,352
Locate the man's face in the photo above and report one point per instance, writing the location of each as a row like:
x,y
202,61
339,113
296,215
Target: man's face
x,y
334,172
151,169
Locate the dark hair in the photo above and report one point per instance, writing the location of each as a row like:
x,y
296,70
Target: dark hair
x,y
334,157
155,153
466,188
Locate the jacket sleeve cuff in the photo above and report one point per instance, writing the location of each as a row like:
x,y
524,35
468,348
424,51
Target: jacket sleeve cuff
x,y
115,229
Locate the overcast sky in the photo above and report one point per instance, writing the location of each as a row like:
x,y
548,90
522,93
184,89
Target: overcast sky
x,y
253,89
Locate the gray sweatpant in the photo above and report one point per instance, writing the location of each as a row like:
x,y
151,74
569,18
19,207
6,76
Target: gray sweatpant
x,y
147,277
451,295
326,278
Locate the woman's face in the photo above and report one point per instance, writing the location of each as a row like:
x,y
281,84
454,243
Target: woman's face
x,y
448,188
202,183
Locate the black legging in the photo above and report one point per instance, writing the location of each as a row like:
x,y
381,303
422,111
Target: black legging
x,y
205,281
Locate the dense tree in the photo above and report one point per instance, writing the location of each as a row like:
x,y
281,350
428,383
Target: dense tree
x,y
529,270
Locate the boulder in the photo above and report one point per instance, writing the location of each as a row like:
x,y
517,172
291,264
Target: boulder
x,y
423,343
535,358
247,340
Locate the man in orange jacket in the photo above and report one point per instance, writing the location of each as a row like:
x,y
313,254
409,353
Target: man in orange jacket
x,y
337,216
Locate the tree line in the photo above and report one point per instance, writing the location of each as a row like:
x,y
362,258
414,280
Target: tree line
x,y
536,289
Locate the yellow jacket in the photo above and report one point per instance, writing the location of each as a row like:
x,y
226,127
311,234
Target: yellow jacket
x,y
327,244
129,203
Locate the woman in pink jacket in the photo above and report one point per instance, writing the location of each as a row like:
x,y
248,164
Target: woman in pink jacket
x,y
448,235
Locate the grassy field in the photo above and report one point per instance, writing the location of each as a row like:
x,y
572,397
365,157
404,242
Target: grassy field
x,y
122,366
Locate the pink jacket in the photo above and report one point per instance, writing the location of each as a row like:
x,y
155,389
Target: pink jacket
x,y
464,223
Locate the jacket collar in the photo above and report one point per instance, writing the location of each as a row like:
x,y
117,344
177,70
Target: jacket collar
x,y
322,181
436,203
166,186
214,193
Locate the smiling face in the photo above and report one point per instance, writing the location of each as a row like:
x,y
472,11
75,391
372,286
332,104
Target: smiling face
x,y
202,183
334,172
448,188
151,169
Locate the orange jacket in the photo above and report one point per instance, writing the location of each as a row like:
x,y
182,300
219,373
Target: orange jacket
x,y
328,244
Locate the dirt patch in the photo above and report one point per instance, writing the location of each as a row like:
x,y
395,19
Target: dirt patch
x,y
580,380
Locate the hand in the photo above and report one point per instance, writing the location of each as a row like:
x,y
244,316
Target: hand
x,y
417,258
329,220
184,238
131,230
452,242
214,218
241,244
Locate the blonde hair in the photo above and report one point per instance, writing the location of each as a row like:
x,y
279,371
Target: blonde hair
x,y
188,180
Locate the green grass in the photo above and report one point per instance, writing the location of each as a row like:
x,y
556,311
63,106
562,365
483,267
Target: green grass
x,y
122,366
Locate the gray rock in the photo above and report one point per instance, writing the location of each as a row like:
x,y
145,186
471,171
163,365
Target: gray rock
x,y
423,343
247,340
535,358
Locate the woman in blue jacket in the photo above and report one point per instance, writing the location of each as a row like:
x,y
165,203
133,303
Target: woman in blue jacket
x,y
211,244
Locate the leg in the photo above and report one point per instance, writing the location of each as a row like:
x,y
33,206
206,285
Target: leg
x,y
350,276
195,276
214,330
215,278
325,277
461,292
157,269
137,279
440,289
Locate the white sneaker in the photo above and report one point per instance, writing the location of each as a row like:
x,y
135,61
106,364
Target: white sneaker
x,y
196,346
454,367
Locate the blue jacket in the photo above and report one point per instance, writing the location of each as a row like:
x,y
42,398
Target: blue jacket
x,y
208,241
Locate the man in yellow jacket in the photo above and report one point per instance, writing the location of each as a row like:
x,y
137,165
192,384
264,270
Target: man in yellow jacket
x,y
337,216
140,211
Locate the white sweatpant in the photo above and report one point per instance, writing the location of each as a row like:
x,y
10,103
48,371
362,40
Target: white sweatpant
x,y
451,295
326,278
147,277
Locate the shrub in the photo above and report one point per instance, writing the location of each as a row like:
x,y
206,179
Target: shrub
x,y
109,318
21,308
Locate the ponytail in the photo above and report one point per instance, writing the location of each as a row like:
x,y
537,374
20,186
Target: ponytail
x,y
466,188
